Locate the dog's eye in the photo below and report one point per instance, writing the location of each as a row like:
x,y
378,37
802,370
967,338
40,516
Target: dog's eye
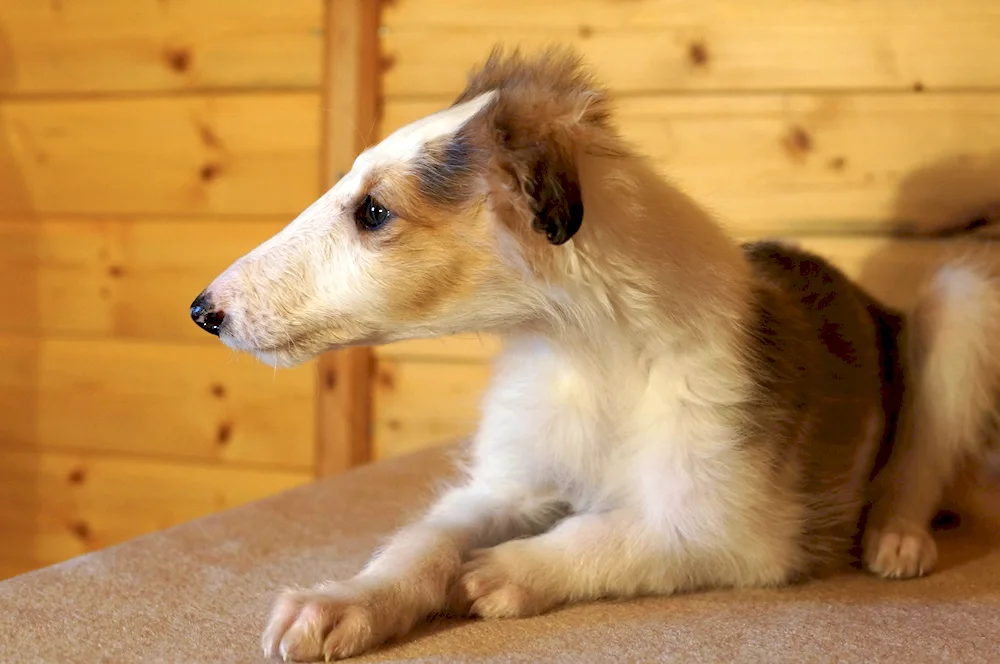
x,y
370,214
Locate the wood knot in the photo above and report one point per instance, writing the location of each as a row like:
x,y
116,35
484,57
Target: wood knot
x,y
329,379
585,31
76,476
698,54
178,59
918,86
386,380
797,142
386,62
80,530
209,172
208,137
218,390
224,434
116,271
837,163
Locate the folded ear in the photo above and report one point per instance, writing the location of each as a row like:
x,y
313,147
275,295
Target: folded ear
x,y
554,189
544,167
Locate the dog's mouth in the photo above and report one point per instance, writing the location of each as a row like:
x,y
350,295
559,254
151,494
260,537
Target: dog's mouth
x,y
294,352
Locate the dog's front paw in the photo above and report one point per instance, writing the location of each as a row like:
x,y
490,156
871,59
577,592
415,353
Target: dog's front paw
x,y
900,551
502,582
326,623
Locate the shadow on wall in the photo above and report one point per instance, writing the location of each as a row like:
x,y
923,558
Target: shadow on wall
x,y
948,195
19,347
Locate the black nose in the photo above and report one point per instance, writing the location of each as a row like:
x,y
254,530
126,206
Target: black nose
x,y
204,313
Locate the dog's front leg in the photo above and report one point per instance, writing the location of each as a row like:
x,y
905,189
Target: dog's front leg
x,y
407,581
601,555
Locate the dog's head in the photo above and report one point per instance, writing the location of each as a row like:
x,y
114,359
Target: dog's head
x,y
443,227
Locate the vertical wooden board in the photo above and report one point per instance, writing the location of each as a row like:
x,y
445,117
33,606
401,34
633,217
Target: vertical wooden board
x,y
62,46
792,164
115,278
54,506
350,96
643,46
252,154
181,401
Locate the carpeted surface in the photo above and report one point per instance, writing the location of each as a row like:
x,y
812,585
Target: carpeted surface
x,y
200,593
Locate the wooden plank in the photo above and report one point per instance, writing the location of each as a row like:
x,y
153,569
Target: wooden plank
x,y
115,277
182,401
831,163
252,154
711,45
430,400
417,404
393,438
54,506
343,409
147,45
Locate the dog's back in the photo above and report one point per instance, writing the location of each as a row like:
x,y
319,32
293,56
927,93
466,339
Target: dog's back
x,y
827,358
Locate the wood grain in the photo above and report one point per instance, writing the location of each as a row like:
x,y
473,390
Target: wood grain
x,y
252,154
428,393
115,278
343,410
421,403
643,46
57,505
107,46
167,400
819,164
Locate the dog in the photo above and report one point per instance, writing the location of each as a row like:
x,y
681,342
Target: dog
x,y
672,411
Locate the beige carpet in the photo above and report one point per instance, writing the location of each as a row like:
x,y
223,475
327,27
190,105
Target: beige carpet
x,y
200,592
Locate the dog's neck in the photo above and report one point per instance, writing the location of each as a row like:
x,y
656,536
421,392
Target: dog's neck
x,y
649,267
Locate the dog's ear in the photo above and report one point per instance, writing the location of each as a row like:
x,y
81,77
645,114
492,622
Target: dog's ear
x,y
545,170
554,188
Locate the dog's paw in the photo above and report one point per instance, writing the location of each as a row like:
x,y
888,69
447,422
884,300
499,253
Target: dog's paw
x,y
900,551
327,623
498,583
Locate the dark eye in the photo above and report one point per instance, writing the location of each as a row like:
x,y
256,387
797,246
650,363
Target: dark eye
x,y
370,214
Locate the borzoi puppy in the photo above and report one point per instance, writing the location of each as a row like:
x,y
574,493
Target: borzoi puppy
x,y
672,411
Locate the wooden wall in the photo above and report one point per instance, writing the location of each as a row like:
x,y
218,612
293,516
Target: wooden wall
x,y
144,144
833,123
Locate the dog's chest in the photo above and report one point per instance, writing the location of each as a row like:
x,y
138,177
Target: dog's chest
x,y
588,427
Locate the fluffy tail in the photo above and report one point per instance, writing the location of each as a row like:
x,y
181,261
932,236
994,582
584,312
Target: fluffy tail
x,y
950,415
954,349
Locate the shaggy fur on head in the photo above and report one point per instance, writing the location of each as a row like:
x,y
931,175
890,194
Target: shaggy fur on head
x,y
671,411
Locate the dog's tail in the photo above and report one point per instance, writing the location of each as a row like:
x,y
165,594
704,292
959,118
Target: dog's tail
x,y
954,359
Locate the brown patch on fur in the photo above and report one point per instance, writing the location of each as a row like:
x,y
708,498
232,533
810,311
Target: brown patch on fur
x,y
432,249
825,361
